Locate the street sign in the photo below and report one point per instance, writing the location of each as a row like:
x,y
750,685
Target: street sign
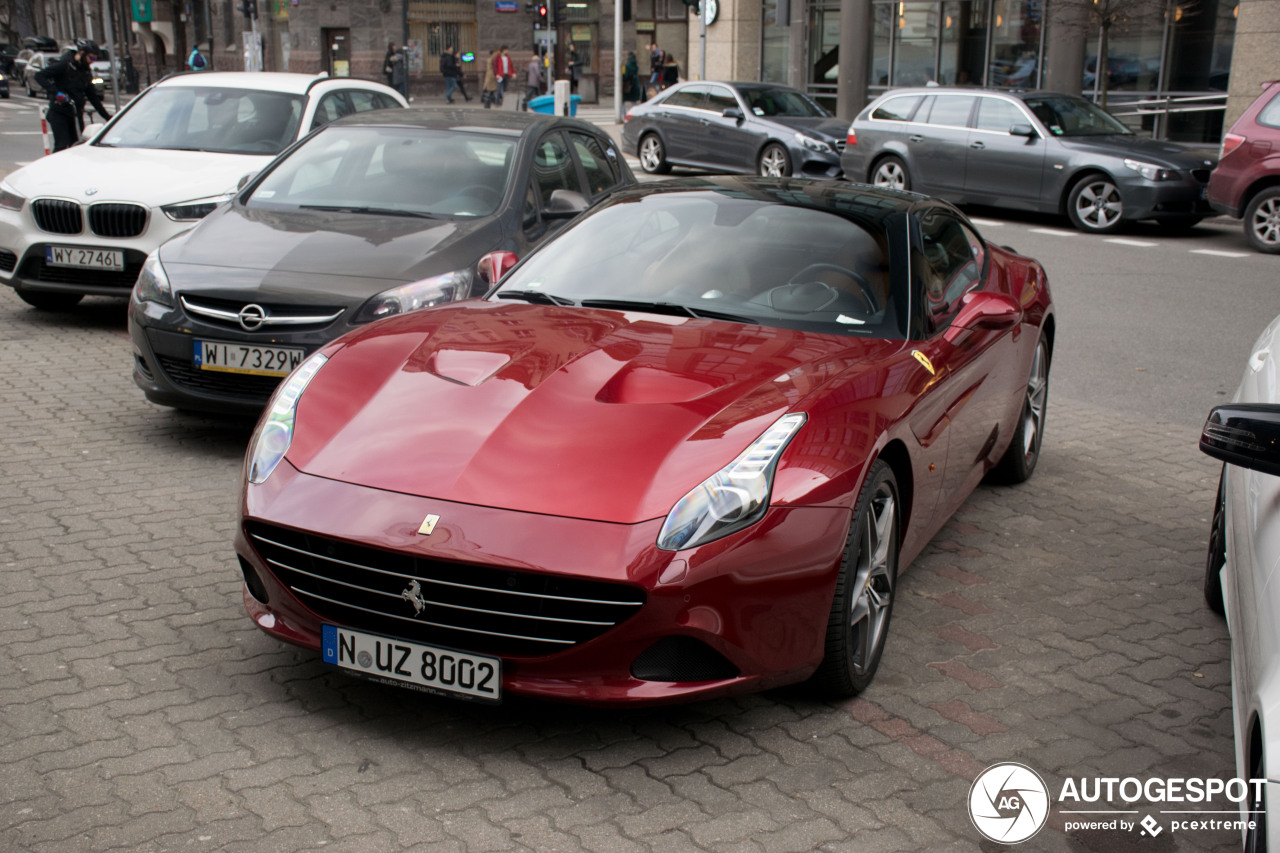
x,y
142,11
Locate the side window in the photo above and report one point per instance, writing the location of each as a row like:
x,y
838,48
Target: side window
x,y
1269,116
385,102
601,174
951,110
553,168
362,101
690,96
952,268
332,106
897,109
999,115
720,99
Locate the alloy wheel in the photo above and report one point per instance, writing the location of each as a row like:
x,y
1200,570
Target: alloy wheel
x,y
1266,222
1037,394
873,581
890,174
1098,205
773,162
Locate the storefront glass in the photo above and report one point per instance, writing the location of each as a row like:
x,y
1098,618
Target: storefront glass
x,y
775,46
1015,43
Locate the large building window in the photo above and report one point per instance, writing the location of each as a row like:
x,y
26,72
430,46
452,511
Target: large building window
x,y
775,46
443,23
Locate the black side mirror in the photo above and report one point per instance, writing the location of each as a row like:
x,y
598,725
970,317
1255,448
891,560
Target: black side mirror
x,y
1022,130
1244,435
565,204
733,113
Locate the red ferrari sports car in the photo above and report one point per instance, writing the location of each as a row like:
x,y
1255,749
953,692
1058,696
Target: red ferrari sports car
x,y
682,450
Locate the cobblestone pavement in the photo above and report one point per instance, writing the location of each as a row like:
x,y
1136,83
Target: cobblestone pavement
x,y
1058,624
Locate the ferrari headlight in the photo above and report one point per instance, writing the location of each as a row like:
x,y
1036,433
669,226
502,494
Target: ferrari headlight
x,y
10,200
1151,171
734,497
191,211
436,290
813,144
274,434
153,283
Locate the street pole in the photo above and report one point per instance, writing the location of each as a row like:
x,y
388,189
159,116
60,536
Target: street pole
x,y
702,40
114,62
617,63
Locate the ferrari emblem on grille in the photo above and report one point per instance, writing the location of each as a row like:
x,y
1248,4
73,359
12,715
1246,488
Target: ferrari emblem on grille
x,y
428,524
413,595
924,359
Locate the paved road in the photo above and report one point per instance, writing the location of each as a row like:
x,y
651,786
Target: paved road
x,y
1058,624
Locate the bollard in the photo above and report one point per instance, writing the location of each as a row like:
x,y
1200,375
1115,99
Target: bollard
x,y
44,133
561,90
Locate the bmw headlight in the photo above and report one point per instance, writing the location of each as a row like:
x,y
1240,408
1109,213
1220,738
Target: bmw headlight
x,y
153,283
813,144
437,290
274,434
191,211
734,497
10,200
1151,171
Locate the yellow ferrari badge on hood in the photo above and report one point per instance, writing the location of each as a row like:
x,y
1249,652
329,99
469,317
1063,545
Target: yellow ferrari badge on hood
x,y
428,525
924,359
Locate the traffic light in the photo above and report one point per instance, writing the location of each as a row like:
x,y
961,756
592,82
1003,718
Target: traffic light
x,y
249,8
542,12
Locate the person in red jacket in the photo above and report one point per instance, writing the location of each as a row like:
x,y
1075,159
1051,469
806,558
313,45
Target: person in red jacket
x,y
504,69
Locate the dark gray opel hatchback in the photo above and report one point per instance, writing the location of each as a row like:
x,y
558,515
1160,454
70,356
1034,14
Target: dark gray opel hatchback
x,y
1038,151
374,215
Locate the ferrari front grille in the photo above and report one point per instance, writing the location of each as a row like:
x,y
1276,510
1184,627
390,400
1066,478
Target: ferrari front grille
x,y
458,605
57,216
117,220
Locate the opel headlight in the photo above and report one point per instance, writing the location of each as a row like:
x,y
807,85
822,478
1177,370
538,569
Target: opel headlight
x,y
274,434
813,144
436,290
190,211
10,200
1151,171
153,282
734,497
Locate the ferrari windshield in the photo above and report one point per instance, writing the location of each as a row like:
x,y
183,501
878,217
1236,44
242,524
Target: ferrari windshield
x,y
391,170
720,256
1069,116
208,118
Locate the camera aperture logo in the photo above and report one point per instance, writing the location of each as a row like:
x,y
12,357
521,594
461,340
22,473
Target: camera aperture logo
x,y
1008,803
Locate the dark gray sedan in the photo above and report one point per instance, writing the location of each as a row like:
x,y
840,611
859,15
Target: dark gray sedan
x,y
1038,151
377,214
746,128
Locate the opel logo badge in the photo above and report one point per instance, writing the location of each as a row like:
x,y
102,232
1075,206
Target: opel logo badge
x,y
251,317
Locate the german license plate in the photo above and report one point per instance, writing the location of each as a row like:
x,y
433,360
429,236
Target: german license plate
x,y
247,358
429,668
84,258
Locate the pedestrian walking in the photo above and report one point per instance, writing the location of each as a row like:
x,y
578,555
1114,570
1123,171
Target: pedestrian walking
x,y
489,93
631,78
452,73
505,70
400,73
657,57
388,68
197,61
532,80
69,82
574,63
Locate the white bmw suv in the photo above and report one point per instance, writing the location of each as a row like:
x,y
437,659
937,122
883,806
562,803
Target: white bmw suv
x,y
82,221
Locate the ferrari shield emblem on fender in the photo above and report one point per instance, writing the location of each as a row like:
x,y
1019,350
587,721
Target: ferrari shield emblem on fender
x,y
924,359
428,524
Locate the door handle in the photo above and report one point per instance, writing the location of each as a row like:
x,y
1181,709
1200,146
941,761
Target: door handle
x,y
915,137
978,144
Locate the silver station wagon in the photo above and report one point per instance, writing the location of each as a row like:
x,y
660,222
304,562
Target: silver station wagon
x,y
1037,151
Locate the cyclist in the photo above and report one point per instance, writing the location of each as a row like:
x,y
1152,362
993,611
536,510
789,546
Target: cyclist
x,y
69,82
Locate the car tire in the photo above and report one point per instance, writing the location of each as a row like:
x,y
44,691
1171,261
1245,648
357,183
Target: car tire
x,y
891,172
1262,221
1217,555
1255,839
1095,205
1019,462
50,301
862,606
653,154
773,162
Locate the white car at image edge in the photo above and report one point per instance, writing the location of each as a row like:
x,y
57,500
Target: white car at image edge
x,y
1242,571
82,221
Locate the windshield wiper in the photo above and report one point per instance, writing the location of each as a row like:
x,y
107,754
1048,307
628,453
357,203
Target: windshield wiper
x,y
537,297
673,308
376,211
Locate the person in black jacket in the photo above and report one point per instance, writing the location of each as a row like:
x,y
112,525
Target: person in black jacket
x,y
452,73
68,81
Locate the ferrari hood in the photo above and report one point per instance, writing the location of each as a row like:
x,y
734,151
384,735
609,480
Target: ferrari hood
x,y
153,177
323,244
571,412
